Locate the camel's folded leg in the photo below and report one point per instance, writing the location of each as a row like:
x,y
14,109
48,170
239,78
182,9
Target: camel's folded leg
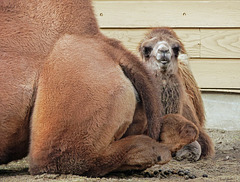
x,y
135,152
139,123
177,132
191,152
201,148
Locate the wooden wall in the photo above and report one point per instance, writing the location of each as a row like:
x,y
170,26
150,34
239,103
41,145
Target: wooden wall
x,y
210,30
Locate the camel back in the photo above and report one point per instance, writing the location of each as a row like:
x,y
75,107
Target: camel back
x,y
34,26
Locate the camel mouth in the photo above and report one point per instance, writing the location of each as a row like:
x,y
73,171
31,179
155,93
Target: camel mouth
x,y
164,62
163,58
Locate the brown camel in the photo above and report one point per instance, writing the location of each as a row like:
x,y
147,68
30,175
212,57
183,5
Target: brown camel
x,y
179,91
67,94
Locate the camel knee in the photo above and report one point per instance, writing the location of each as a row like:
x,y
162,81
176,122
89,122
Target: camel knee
x,y
177,131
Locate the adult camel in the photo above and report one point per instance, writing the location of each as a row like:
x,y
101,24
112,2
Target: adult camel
x,y
67,94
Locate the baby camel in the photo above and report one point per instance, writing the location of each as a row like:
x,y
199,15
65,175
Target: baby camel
x,y
179,92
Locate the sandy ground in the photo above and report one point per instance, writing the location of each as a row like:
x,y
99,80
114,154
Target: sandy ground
x,y
225,166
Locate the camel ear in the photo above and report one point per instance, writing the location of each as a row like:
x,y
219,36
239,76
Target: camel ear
x,y
146,51
176,49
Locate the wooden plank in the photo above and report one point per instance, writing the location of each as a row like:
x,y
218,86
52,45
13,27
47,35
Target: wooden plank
x,y
220,43
204,43
211,90
139,14
216,74
132,37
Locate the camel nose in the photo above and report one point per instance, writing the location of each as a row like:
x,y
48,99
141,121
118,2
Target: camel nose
x,y
163,48
162,52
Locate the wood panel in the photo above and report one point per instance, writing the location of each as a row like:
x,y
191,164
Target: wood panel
x,y
220,43
139,14
217,74
132,37
214,90
204,43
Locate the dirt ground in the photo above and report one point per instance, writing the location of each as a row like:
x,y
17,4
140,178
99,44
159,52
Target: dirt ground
x,y
225,166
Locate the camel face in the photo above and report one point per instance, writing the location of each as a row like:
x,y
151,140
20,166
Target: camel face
x,y
161,52
164,54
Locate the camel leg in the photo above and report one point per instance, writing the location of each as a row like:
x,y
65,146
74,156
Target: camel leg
x,y
16,99
177,129
191,152
201,148
204,146
177,132
91,148
139,123
135,152
14,141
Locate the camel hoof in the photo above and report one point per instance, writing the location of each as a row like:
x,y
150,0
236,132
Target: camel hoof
x,y
191,152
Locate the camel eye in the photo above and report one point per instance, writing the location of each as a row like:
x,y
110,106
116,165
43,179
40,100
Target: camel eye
x,y
176,49
147,51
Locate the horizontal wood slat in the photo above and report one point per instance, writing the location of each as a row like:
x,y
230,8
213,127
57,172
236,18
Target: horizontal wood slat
x,y
216,74
220,43
213,90
131,38
199,43
139,14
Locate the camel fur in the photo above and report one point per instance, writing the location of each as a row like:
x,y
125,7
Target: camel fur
x,y
179,91
67,94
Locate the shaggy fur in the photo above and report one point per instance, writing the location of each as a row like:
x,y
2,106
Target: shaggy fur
x,y
178,88
192,91
185,73
68,91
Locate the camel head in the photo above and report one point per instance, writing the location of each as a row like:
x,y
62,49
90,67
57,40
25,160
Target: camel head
x,y
160,49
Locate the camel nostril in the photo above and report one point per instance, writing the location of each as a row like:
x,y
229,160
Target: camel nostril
x,y
159,158
162,57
